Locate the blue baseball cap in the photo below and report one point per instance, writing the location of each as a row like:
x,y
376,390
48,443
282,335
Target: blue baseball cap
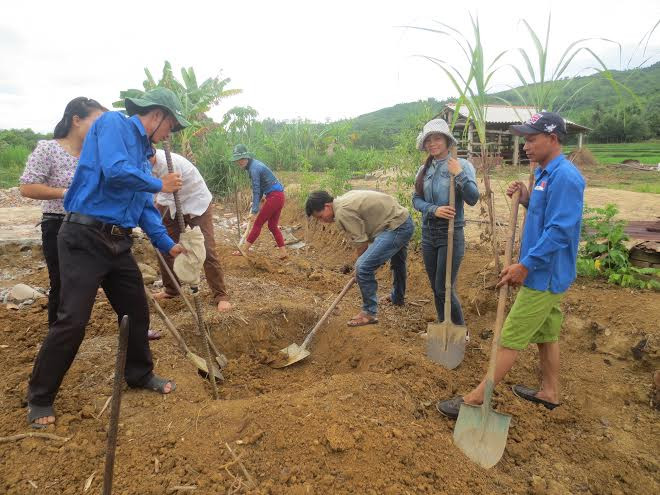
x,y
542,122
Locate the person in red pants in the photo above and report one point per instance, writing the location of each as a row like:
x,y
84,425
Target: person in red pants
x,y
264,183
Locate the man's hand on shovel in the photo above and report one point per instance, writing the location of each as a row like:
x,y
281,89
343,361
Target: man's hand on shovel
x,y
513,275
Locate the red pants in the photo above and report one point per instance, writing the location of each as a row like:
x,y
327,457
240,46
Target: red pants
x,y
270,212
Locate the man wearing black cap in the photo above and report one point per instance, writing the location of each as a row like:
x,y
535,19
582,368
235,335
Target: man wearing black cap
x,y
111,193
546,268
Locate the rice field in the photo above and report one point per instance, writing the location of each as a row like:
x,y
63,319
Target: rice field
x,y
647,152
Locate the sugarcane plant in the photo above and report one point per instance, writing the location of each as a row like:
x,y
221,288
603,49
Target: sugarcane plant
x,y
472,86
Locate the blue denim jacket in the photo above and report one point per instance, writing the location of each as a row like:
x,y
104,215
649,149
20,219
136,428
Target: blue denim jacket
x,y
263,182
436,193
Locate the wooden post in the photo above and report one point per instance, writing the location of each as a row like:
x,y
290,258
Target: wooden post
x,y
469,143
580,140
516,144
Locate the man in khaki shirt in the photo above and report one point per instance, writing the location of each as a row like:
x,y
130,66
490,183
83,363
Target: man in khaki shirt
x,y
380,228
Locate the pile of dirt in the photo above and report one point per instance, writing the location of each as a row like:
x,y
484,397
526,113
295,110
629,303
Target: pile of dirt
x,y
583,158
358,415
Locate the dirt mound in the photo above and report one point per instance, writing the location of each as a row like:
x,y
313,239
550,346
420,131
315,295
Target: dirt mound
x,y
358,415
583,158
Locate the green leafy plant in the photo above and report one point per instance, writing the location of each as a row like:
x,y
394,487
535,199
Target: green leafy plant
x,y
604,254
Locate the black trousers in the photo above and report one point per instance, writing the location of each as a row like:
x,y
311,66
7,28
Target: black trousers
x,y
50,226
90,258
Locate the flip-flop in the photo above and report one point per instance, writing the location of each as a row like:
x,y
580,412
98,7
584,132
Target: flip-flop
x,y
157,384
450,407
371,320
153,335
38,412
236,253
529,394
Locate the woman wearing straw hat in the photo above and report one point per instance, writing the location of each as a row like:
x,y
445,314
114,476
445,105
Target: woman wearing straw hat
x,y
264,183
431,198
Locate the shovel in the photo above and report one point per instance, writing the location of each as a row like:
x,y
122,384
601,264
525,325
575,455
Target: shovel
x,y
480,432
445,342
294,352
191,356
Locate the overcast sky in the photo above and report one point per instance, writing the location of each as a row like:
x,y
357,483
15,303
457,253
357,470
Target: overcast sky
x,y
308,59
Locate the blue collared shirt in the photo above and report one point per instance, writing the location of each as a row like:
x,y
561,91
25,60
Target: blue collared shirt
x,y
113,181
263,182
552,227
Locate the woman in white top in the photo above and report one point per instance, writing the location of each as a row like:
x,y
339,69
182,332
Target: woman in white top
x,y
48,173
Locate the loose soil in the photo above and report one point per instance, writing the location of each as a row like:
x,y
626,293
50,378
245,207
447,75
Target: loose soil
x,y
358,415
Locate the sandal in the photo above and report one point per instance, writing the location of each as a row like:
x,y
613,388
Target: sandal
x,y
157,384
236,253
529,394
38,412
153,335
361,320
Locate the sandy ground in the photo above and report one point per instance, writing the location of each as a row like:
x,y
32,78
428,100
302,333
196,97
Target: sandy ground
x,y
358,415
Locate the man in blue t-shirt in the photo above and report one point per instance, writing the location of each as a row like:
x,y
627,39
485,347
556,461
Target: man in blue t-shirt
x,y
111,193
547,265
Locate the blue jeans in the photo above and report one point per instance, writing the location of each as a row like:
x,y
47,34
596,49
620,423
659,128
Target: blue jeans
x,y
434,251
388,245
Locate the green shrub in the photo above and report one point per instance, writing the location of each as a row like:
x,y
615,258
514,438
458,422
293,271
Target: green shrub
x,y
603,253
12,163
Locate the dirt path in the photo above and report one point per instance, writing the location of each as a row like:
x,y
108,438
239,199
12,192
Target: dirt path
x,y
358,415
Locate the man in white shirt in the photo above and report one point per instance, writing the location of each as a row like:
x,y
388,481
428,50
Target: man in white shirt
x,y
195,200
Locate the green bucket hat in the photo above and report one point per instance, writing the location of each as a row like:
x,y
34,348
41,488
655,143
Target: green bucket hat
x,y
158,97
240,151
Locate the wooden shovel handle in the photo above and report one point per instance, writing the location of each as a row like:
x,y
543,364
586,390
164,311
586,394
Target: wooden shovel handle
x,y
450,240
501,302
341,295
168,323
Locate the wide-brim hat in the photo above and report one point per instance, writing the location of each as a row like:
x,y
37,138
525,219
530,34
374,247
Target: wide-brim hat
x,y
158,98
240,152
435,126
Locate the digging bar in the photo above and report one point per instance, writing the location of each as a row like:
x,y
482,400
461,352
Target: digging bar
x,y
194,289
445,342
111,445
294,353
480,432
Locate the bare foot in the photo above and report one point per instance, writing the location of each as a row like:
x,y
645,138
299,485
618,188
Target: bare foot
x,y
48,420
224,306
163,295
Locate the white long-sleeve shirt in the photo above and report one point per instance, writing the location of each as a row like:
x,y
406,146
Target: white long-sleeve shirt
x,y
194,195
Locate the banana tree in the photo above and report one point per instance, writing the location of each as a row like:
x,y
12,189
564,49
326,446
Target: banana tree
x,y
196,100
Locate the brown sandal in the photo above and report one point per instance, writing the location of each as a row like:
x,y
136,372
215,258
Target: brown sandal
x,y
361,320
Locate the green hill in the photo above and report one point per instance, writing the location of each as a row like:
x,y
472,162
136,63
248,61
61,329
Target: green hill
x,y
595,99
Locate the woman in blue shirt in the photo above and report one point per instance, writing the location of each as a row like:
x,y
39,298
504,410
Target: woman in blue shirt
x,y
264,183
431,198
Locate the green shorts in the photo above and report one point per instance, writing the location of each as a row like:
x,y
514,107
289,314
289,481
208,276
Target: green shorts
x,y
535,318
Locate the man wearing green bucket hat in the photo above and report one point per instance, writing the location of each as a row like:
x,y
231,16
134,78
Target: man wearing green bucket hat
x,y
111,193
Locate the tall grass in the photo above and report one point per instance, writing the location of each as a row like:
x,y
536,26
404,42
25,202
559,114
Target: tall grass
x,y
12,162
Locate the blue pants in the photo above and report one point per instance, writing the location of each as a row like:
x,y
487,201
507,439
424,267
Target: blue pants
x,y
388,245
434,251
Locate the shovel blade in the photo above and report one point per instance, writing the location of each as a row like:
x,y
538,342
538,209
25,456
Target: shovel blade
x,y
481,435
291,354
445,343
201,366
